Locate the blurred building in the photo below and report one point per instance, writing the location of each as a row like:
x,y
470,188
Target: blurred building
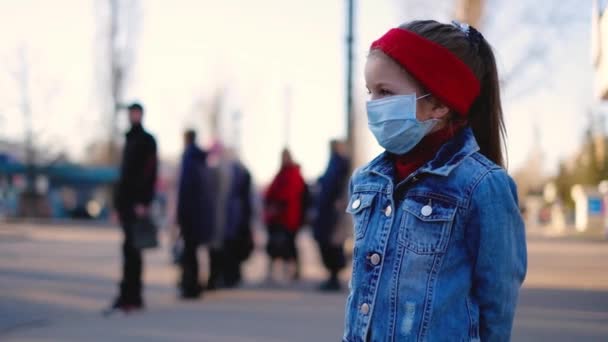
x,y
600,47
62,189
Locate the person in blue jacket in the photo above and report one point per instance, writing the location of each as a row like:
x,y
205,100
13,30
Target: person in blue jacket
x,y
195,212
329,211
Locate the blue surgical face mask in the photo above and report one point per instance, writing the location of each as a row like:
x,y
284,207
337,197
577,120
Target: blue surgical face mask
x,y
393,122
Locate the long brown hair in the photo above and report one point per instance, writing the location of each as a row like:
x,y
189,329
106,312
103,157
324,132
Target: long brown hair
x,y
485,116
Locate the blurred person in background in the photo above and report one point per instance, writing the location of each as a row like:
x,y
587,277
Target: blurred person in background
x,y
133,195
195,213
237,237
283,215
331,204
220,176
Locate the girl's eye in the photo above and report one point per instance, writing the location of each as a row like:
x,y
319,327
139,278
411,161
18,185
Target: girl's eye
x,y
384,92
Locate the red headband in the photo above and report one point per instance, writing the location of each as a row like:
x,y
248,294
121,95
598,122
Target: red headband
x,y
435,67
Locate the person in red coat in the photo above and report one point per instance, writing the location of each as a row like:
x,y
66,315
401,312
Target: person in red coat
x,y
284,212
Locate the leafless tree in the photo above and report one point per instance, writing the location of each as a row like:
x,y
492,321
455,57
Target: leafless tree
x,y
119,23
207,111
423,9
32,98
531,30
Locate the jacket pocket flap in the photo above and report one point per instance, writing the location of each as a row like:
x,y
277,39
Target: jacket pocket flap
x,y
429,209
359,201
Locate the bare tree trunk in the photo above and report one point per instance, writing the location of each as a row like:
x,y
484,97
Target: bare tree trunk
x,y
23,80
350,39
469,11
116,78
119,35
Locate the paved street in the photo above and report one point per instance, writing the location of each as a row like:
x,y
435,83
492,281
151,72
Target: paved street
x,y
54,280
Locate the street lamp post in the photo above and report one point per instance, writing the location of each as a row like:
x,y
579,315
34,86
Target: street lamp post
x,y
287,118
349,72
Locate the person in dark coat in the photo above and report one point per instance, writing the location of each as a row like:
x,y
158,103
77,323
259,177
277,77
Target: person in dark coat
x,y
283,212
236,235
134,193
221,179
195,213
330,209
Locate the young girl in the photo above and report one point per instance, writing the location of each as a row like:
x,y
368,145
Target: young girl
x,y
440,249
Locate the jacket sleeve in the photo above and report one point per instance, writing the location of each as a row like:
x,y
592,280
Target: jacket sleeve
x,y
331,184
497,243
246,197
350,182
184,192
341,179
269,194
150,171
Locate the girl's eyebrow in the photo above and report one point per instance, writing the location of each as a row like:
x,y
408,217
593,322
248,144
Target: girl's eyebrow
x,y
379,85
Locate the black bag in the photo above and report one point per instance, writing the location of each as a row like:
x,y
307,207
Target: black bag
x,y
281,245
244,244
145,233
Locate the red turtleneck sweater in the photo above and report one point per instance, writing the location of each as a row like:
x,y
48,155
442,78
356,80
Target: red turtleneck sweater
x,y
426,149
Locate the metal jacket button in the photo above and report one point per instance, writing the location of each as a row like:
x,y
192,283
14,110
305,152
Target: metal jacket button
x,y
356,204
388,211
427,210
365,308
375,259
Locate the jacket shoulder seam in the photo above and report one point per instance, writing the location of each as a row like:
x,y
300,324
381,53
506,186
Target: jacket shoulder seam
x,y
484,175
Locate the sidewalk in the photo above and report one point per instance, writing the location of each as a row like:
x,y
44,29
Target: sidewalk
x,y
240,315
568,233
56,279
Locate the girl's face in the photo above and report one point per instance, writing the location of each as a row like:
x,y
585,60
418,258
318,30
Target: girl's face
x,y
384,78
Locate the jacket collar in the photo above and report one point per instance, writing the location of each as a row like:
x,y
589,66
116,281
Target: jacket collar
x,y
449,156
135,129
194,150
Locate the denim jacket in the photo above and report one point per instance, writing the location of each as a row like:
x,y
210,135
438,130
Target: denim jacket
x,y
438,257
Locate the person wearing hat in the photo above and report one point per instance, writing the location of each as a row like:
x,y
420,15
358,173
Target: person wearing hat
x,y
134,194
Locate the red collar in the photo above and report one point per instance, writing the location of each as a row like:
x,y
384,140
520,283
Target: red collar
x,y
426,149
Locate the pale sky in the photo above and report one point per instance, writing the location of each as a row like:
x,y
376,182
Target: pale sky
x,y
256,50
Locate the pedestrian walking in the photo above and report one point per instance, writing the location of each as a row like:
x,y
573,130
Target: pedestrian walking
x,y
330,206
195,213
440,250
238,239
283,214
134,193
221,180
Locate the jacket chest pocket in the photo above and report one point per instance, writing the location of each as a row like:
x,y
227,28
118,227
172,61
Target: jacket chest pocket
x,y
426,224
360,207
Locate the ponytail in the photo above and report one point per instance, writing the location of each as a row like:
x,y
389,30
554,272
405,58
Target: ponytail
x,y
485,116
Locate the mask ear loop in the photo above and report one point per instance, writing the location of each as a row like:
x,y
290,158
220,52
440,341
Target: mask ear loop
x,y
423,96
427,95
